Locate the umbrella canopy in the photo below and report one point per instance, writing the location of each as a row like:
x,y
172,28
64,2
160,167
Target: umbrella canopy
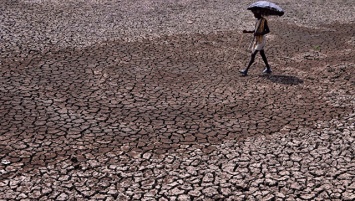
x,y
266,8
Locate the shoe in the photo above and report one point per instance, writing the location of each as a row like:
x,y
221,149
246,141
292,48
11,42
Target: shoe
x,y
244,72
267,71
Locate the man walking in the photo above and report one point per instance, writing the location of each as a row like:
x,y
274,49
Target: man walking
x,y
261,29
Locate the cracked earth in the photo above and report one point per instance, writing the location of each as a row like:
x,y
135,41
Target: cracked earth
x,y
142,100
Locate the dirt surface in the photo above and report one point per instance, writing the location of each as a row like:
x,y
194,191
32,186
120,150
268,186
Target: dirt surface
x,y
142,100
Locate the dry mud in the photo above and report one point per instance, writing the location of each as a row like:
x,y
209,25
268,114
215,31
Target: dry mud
x,y
142,100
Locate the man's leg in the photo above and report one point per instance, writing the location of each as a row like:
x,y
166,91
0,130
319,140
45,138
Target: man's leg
x,y
252,59
267,69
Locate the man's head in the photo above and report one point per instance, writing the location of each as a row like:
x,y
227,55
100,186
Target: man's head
x,y
257,14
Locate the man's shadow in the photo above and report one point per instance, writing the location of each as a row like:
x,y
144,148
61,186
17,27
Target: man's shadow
x,y
283,79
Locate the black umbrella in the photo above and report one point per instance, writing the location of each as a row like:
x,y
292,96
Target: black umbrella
x,y
266,8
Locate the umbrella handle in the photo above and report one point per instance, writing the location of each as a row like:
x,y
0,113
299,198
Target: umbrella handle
x,y
252,42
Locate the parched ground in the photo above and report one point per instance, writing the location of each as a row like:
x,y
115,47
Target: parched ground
x,y
142,100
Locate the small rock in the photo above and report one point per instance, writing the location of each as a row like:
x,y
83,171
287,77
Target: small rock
x,y
5,162
147,155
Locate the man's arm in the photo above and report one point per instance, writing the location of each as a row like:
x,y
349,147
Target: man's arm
x,y
266,29
245,31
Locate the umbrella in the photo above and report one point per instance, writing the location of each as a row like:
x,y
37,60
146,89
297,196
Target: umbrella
x,y
266,8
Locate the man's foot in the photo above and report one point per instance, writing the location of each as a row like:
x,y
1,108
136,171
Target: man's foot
x,y
267,71
244,72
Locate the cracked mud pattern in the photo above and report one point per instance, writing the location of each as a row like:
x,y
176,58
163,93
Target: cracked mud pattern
x,y
144,102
